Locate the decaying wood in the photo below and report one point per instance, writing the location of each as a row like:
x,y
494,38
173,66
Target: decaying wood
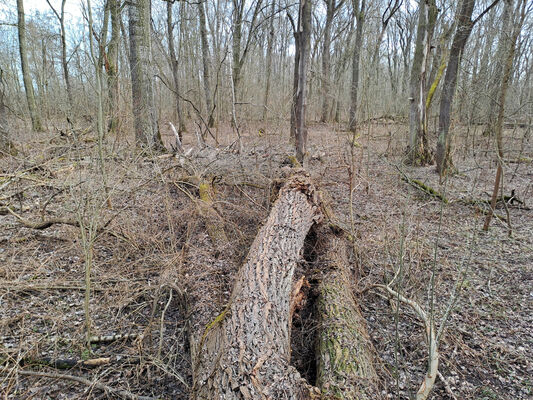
x,y
213,221
344,361
67,363
42,224
245,351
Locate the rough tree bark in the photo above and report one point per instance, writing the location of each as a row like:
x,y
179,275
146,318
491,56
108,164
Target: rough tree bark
x,y
146,129
245,352
302,38
344,361
36,123
360,18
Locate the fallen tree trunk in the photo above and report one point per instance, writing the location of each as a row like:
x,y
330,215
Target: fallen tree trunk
x,y
245,352
344,361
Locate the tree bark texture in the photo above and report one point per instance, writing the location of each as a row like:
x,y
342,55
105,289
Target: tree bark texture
x,y
146,129
26,74
344,361
302,39
465,24
360,17
245,352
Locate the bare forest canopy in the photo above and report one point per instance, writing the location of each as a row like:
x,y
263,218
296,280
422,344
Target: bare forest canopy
x,y
251,199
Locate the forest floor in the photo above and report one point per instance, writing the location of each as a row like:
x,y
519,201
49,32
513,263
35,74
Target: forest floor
x,y
152,260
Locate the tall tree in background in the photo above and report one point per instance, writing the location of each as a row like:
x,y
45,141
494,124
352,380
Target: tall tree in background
x,y
418,151
270,46
205,64
146,129
6,146
112,66
354,89
465,24
506,50
174,67
26,75
332,7
302,36
239,49
64,63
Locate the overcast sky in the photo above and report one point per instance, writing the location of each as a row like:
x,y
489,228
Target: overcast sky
x,y
72,7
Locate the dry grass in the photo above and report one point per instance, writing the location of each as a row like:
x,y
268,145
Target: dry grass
x,y
156,272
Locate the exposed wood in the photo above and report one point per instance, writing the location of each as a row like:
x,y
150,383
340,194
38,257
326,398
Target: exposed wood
x,y
66,363
245,351
344,361
213,220
42,224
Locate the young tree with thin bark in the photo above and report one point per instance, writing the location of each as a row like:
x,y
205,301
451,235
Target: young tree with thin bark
x,y
174,67
205,64
332,7
354,89
508,47
26,74
64,64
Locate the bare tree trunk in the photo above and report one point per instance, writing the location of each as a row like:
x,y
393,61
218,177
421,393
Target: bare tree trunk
x,y
418,152
26,75
112,67
146,129
344,361
270,46
245,352
326,60
174,66
465,25
302,38
6,146
205,64
64,65
503,47
505,76
360,17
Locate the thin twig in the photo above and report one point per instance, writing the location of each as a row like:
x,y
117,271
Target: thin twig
x,y
108,389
